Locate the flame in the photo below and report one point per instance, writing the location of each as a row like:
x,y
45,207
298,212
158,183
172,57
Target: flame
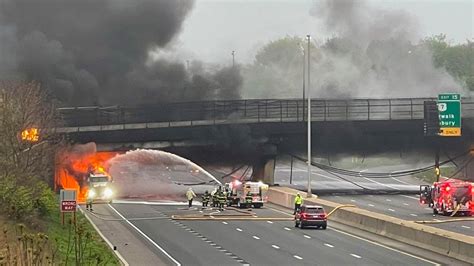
x,y
72,169
30,134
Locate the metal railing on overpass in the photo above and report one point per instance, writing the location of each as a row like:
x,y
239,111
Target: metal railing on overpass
x,y
254,111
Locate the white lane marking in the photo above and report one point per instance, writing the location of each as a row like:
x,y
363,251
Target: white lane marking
x,y
328,245
384,246
410,197
297,257
256,237
356,256
287,229
225,223
403,182
306,236
281,211
353,200
467,227
238,229
388,200
373,181
371,205
146,237
392,210
125,263
275,247
270,222
213,244
414,215
406,204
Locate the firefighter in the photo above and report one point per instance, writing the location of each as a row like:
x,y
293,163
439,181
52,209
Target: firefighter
x,y
214,197
89,200
298,202
222,200
190,196
205,199
248,199
228,197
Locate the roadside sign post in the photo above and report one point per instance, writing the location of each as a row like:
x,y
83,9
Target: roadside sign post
x,y
68,203
449,107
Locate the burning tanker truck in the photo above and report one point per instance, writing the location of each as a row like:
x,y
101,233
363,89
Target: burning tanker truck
x,y
83,169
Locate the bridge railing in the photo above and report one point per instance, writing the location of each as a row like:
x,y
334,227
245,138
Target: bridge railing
x,y
283,110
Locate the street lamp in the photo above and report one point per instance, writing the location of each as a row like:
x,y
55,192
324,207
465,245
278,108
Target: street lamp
x,y
309,193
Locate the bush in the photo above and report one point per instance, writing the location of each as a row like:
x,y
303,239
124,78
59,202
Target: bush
x,y
20,201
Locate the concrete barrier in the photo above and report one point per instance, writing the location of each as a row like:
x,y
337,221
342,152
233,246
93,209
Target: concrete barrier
x,y
444,242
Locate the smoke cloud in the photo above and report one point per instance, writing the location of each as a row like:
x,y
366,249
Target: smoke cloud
x,y
374,54
98,51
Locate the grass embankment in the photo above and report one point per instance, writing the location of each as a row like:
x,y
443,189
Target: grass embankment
x,y
50,243
430,176
90,247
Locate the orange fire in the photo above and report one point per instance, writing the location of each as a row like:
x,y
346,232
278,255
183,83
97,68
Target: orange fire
x,y
30,134
72,170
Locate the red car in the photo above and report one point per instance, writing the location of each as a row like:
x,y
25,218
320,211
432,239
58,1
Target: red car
x,y
311,216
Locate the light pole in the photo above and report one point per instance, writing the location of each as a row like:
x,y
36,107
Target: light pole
x,y
309,193
304,80
233,59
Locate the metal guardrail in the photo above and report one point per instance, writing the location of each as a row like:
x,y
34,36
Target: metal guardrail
x,y
275,110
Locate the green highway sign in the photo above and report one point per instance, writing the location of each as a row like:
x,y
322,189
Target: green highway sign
x,y
449,107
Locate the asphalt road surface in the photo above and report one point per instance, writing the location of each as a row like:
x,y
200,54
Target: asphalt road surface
x,y
323,181
405,207
392,203
154,235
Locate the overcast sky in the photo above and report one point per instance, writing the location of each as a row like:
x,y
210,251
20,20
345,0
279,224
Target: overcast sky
x,y
216,27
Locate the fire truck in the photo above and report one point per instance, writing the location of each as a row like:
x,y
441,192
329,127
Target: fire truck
x,y
446,197
238,192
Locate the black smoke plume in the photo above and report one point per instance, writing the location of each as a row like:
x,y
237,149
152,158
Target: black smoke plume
x,y
99,51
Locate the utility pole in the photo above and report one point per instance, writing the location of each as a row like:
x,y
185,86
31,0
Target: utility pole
x,y
233,59
309,193
304,76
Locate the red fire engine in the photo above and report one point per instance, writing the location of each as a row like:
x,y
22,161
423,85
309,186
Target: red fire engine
x,y
446,197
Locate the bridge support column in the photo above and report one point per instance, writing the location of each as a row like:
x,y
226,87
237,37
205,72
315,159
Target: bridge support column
x,y
264,168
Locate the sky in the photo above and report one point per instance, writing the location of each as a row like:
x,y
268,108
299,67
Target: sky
x,y
217,27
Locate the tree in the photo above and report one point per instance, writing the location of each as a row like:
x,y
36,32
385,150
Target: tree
x,y
458,60
27,149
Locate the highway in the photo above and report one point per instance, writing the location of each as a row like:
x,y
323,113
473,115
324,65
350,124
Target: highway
x,y
335,189
153,233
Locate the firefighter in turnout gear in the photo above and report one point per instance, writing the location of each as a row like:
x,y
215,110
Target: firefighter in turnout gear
x,y
248,199
89,199
205,199
222,200
214,195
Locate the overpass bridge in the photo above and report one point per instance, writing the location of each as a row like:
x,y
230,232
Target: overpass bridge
x,y
254,129
186,121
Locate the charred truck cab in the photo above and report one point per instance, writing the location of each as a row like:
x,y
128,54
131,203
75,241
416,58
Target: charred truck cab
x,y
100,188
449,196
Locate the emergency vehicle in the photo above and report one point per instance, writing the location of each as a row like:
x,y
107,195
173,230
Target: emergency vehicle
x,y
446,197
100,187
238,192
